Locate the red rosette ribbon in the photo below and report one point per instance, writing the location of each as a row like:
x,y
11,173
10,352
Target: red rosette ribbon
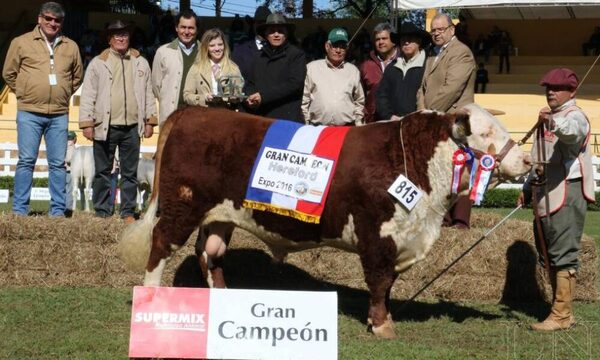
x,y
459,159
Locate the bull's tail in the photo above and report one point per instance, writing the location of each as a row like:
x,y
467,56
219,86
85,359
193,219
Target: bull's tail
x,y
135,241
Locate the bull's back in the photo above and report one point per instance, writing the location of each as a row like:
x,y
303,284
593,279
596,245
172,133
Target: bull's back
x,y
212,151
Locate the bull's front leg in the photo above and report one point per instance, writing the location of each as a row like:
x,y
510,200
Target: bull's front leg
x,y
168,236
210,248
378,260
87,193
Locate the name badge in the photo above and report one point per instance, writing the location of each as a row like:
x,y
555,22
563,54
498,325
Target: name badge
x,y
406,192
52,79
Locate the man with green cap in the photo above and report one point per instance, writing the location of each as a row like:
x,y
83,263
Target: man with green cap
x,y
333,94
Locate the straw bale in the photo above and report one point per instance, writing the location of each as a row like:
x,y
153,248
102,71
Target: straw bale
x,y
81,251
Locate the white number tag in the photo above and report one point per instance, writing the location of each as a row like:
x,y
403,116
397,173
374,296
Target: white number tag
x,y
52,79
406,192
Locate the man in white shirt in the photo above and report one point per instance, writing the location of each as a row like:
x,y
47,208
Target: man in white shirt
x,y
333,94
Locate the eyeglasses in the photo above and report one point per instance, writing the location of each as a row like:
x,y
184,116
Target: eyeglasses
x,y
50,19
440,30
340,45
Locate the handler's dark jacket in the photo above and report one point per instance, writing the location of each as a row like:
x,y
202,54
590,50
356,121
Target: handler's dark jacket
x,y
278,76
244,55
397,91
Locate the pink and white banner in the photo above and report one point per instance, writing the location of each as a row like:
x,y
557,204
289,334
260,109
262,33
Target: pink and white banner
x,y
194,323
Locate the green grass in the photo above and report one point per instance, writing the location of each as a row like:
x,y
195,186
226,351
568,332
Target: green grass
x,y
85,323
76,323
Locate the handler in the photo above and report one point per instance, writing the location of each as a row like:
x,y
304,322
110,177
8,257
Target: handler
x,y
569,178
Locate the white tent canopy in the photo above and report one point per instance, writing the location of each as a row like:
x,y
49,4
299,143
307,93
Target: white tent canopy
x,y
516,9
432,4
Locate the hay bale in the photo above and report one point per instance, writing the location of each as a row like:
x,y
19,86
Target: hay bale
x,y
81,251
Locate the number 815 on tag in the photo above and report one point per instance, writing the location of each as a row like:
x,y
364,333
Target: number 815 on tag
x,y
406,192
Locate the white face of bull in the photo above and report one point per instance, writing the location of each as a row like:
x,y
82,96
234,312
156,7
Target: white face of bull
x,y
488,135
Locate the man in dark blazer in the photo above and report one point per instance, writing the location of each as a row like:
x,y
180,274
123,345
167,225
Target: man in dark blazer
x,y
448,85
244,54
276,84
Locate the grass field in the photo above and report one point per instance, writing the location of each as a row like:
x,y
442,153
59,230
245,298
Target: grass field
x,y
93,323
74,323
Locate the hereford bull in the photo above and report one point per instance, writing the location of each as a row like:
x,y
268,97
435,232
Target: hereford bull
x,y
205,158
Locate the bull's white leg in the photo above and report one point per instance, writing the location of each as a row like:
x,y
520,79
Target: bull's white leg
x,y
88,194
74,191
153,277
138,199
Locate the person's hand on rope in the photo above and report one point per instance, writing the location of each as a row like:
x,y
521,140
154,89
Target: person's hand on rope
x,y
545,116
524,198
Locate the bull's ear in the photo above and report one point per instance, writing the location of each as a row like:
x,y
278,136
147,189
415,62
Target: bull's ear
x,y
491,149
462,127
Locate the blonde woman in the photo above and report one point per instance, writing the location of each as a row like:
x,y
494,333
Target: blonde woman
x,y
212,63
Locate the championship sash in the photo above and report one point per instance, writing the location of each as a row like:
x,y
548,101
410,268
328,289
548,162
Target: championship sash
x,y
294,168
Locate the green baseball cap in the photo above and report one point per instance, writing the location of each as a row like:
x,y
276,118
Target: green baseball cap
x,y
71,135
337,35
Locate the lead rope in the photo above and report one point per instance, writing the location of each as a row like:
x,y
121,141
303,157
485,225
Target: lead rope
x,y
456,260
530,132
541,181
363,23
588,72
403,152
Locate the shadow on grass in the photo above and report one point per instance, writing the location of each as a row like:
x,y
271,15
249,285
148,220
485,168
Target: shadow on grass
x,y
254,269
537,310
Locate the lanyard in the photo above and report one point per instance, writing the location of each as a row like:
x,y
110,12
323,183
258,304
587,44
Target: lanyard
x,y
51,51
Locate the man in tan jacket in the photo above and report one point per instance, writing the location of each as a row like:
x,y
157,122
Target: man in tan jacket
x,y
117,108
449,78
43,68
172,63
448,85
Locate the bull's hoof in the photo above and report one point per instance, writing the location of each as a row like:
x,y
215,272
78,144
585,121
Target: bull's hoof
x,y
387,330
216,279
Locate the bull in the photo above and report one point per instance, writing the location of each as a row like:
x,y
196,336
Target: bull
x,y
204,161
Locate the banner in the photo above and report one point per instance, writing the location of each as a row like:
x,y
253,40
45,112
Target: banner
x,y
294,168
233,324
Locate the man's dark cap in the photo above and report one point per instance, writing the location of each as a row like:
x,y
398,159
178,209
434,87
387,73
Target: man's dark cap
x,y
274,19
117,26
410,29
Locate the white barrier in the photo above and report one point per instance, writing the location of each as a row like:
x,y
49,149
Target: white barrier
x,y
9,158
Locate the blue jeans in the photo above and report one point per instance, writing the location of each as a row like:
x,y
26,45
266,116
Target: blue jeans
x,y
30,129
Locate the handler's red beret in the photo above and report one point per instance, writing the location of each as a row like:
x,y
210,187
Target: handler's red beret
x,y
560,77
